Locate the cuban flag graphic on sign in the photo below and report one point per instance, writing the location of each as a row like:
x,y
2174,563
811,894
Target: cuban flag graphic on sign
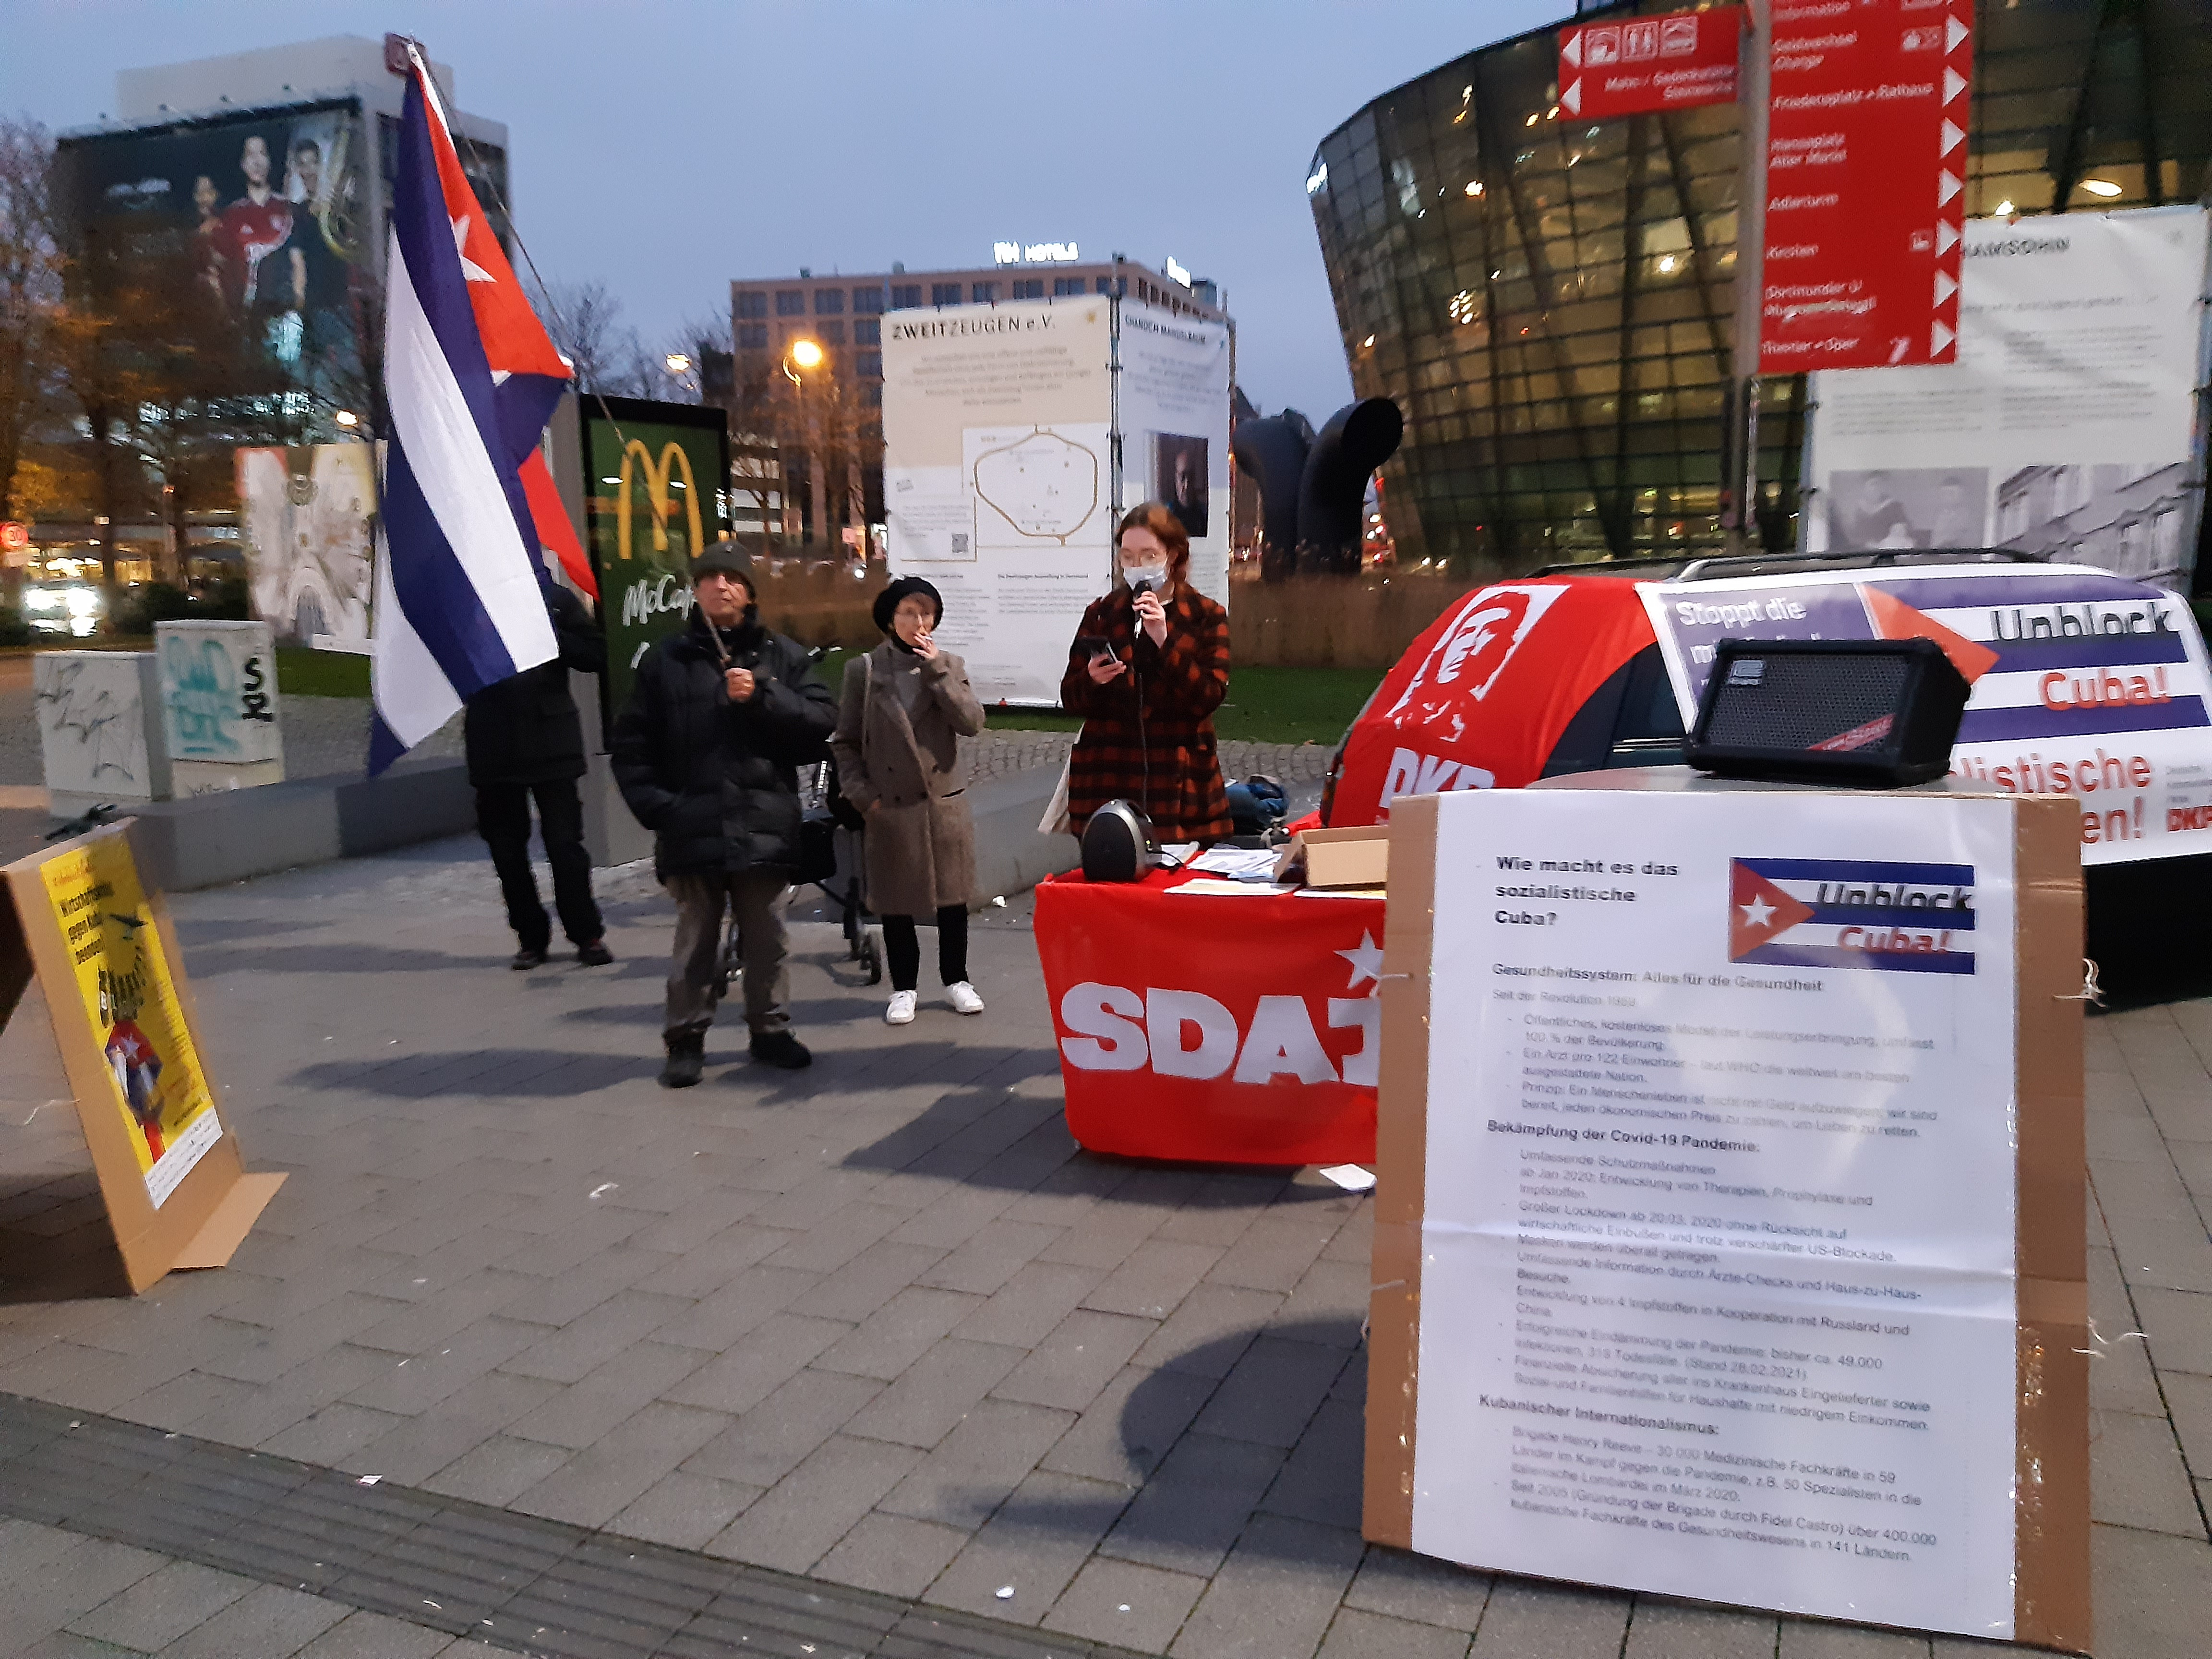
x,y
471,378
1850,913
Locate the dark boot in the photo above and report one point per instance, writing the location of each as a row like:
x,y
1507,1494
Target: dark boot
x,y
687,1058
782,1050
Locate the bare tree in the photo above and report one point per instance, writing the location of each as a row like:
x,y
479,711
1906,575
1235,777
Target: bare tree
x,y
169,382
586,322
30,294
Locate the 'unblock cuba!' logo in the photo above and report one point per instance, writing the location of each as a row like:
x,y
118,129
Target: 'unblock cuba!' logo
x,y
1844,912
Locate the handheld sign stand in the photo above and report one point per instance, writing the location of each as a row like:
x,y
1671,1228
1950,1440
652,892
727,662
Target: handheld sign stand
x,y
1730,1236
105,956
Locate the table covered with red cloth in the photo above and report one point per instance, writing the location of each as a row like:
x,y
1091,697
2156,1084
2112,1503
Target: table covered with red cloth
x,y
1239,1029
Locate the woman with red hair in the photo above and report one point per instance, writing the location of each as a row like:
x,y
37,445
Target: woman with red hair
x,y
1148,667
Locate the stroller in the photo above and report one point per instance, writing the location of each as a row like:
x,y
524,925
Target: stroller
x,y
829,858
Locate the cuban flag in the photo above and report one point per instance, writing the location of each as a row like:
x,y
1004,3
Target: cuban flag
x,y
471,378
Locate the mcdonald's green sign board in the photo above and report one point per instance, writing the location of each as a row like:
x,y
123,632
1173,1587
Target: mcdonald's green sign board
x,y
656,491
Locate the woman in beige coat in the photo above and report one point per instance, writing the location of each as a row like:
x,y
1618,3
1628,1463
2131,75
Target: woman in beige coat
x,y
905,706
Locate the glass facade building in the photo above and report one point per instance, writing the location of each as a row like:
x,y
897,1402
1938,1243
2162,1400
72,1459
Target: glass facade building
x,y
1550,301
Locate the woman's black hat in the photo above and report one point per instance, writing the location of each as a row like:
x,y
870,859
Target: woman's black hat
x,y
888,600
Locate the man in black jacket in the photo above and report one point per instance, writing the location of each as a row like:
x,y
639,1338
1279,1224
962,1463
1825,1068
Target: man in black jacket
x,y
720,717
523,739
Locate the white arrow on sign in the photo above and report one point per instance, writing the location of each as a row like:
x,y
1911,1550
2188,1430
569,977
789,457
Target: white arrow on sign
x,y
1939,340
1955,31
1945,288
1947,185
1571,100
1570,49
1952,137
1953,83
1946,236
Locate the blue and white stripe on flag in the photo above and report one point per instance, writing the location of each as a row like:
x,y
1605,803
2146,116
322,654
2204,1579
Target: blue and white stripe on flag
x,y
459,600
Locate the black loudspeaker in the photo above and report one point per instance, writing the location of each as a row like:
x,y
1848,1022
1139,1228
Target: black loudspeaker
x,y
1875,713
1118,844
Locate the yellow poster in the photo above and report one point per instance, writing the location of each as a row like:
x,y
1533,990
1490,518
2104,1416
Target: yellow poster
x,y
123,974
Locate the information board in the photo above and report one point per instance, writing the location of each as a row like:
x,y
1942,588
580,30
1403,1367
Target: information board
x,y
1172,402
998,479
1866,170
1699,1268
2067,427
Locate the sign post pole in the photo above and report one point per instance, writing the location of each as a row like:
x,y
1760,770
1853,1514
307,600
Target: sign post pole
x,y
1740,481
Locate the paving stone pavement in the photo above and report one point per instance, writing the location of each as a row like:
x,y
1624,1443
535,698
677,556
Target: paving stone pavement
x,y
878,1323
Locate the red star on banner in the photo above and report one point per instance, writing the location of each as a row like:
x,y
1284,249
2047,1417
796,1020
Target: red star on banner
x,y
1893,619
1759,911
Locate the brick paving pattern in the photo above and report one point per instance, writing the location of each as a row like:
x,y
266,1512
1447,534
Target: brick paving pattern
x,y
879,1322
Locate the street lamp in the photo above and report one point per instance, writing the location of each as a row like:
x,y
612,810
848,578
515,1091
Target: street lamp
x,y
347,418
802,355
678,362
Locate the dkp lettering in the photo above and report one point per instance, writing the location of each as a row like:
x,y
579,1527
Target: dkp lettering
x,y
1412,773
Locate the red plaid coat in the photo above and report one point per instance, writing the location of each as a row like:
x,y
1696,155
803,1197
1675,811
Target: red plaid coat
x,y
1180,684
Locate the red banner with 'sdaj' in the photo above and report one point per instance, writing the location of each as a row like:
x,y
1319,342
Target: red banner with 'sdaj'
x,y
1232,1030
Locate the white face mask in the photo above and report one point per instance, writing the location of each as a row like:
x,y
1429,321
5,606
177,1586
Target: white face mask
x,y
1157,575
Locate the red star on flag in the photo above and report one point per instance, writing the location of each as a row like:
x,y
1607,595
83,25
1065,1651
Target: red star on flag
x,y
1759,911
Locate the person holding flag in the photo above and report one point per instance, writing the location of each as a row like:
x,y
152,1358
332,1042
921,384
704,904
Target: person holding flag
x,y
471,378
465,610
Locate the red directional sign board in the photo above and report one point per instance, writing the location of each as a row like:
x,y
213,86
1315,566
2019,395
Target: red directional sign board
x,y
1640,64
1866,170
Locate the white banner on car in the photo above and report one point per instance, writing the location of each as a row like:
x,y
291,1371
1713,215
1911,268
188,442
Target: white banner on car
x,y
2084,685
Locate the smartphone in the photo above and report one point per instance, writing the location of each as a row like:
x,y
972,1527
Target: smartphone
x,y
1094,645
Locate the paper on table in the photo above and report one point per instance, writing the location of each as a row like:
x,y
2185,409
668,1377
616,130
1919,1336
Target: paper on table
x,y
1237,863
1176,854
1344,892
1216,887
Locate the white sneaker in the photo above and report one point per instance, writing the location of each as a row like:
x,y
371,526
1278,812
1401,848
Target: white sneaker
x,y
964,999
900,1012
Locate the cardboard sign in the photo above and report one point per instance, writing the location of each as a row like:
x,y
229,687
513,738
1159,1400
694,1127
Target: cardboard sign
x,y
1726,1237
106,958
1866,169
1643,64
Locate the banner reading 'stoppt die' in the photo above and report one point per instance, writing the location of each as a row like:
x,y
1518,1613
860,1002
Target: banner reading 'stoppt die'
x,y
2084,686
170,1176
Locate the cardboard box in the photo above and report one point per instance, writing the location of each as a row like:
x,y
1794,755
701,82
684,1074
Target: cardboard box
x,y
1356,857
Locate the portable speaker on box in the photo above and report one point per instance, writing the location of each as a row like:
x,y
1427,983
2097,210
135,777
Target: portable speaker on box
x,y
1871,712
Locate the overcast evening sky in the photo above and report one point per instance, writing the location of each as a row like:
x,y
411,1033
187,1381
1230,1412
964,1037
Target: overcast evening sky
x,y
663,147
